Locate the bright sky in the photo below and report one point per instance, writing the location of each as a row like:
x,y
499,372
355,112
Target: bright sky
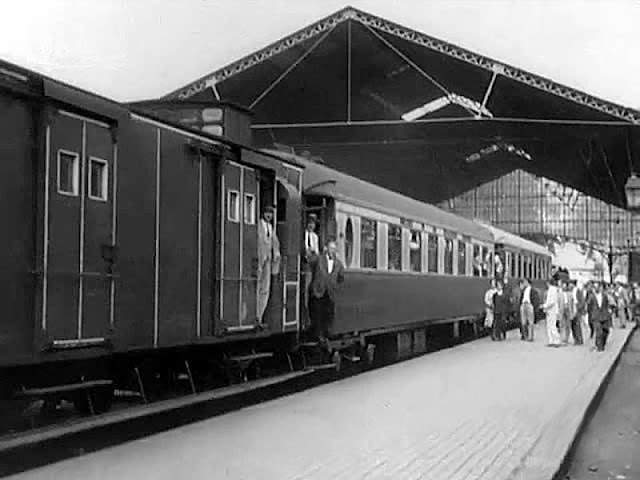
x,y
133,49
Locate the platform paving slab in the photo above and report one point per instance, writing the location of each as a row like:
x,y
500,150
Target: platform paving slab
x,y
483,410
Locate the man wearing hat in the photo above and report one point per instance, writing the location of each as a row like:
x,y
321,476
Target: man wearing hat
x,y
268,258
599,310
311,251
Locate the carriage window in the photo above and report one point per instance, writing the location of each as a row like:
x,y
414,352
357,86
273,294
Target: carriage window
x,y
415,251
462,258
68,172
433,254
514,265
233,206
477,260
486,263
98,179
249,209
348,242
368,243
448,255
394,248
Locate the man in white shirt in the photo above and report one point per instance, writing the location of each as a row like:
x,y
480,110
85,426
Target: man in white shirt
x,y
311,251
311,242
529,303
553,308
268,258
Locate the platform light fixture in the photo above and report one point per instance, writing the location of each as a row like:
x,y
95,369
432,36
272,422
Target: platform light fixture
x,y
632,192
632,187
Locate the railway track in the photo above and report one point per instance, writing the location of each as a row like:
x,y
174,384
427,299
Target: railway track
x,y
74,435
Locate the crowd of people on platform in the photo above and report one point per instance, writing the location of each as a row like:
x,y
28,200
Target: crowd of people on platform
x,y
580,313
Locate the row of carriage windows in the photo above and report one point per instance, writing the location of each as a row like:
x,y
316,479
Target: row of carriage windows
x,y
453,253
395,251
530,266
69,176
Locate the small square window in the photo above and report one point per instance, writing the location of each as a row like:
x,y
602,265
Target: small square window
x,y
68,172
233,206
98,179
249,209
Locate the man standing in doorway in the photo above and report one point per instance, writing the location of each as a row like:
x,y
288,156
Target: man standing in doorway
x,y
310,254
529,303
268,258
327,270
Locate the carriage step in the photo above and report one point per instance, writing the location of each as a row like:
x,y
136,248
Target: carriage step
x,y
326,366
251,356
308,344
351,358
39,392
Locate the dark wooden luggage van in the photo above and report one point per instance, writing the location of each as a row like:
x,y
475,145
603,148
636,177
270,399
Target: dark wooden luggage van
x,y
127,234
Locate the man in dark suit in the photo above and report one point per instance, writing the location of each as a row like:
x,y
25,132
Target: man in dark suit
x,y
528,302
501,311
599,315
327,273
579,309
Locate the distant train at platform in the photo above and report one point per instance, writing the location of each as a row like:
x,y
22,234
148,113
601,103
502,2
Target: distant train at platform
x,y
134,246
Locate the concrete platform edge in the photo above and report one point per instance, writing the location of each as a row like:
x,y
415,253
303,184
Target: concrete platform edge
x,y
534,466
591,407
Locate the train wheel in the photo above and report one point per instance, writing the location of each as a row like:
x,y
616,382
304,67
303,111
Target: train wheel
x,y
101,400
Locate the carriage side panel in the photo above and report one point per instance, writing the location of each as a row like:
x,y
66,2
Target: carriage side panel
x,y
179,252
136,235
17,174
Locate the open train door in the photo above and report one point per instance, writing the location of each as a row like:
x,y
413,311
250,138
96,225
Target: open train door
x,y
289,232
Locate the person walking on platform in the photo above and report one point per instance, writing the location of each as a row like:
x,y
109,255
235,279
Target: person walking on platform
x,y
564,318
327,271
621,303
609,292
589,292
635,302
501,311
488,304
578,307
552,308
529,302
598,307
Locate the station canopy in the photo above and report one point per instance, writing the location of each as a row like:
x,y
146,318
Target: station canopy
x,y
422,116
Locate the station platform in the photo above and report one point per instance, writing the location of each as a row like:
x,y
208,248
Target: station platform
x,y
482,410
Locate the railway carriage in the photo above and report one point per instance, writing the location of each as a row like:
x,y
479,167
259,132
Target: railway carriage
x,y
130,251
128,237
408,265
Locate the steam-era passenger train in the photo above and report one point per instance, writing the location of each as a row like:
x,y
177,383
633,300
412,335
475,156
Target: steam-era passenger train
x,y
130,245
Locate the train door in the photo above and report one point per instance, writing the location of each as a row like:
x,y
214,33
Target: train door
x,y
238,291
79,231
289,233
